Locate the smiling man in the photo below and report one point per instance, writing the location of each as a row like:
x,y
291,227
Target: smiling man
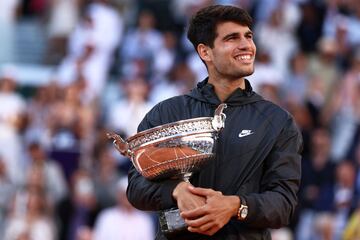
x,y
252,184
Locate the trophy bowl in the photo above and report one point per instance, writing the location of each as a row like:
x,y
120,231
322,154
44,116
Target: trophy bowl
x,y
173,150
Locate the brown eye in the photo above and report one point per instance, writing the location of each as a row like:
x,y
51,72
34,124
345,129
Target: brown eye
x,y
250,36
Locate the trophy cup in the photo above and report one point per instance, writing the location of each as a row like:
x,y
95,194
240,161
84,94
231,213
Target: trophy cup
x,y
173,150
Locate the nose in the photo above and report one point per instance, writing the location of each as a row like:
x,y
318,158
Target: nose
x,y
245,43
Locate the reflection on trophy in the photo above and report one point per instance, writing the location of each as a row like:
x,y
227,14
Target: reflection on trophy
x,y
173,150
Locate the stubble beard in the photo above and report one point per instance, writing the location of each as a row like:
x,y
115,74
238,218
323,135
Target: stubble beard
x,y
233,73
241,73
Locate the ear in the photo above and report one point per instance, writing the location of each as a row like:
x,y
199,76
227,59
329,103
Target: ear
x,y
204,52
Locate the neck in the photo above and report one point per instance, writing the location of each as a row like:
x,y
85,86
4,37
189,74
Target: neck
x,y
225,87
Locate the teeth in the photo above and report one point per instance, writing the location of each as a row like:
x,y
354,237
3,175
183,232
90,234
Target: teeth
x,y
243,57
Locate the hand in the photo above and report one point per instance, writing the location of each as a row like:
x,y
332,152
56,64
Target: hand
x,y
185,199
211,217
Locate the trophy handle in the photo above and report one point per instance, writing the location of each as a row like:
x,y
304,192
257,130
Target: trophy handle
x,y
120,144
218,121
187,176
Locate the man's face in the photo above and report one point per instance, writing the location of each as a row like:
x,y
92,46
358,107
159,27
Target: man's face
x,y
233,53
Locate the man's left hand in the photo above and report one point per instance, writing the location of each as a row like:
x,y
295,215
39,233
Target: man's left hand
x,y
211,217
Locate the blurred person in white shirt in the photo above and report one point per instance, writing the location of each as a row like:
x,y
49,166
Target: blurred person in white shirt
x,y
266,73
63,17
279,28
12,113
178,81
91,48
7,190
123,221
30,217
125,114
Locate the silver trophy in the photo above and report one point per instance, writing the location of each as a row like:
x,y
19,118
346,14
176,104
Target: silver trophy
x,y
173,150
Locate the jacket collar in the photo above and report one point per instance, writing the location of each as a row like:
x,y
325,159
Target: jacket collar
x,y
205,92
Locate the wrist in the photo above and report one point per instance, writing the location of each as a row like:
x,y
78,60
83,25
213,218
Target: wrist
x,y
236,202
178,188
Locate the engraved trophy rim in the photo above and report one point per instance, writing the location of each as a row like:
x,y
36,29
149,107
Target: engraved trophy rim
x,y
167,125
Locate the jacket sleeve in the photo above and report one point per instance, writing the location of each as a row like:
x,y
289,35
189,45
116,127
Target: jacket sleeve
x,y
274,206
149,195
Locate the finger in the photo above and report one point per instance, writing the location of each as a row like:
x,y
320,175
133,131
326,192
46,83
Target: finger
x,y
206,229
206,192
211,231
194,213
198,222
190,202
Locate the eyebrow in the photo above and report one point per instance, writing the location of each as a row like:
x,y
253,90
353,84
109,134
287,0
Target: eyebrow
x,y
235,34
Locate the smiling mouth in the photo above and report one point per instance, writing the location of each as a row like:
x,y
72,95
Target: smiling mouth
x,y
246,57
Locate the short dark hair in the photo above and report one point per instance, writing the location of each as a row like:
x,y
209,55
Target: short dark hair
x,y
202,27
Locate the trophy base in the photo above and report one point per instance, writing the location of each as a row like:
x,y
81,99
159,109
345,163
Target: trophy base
x,y
171,221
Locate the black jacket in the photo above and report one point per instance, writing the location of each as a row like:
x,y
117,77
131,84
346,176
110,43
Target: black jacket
x,y
264,167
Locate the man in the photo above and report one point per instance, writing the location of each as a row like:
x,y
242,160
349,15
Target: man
x,y
252,183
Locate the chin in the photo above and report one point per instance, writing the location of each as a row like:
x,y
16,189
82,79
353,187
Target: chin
x,y
245,73
249,73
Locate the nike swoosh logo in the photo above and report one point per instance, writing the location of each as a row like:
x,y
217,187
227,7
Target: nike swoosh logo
x,y
245,133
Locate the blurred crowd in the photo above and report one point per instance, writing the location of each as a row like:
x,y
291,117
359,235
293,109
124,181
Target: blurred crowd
x,y
61,178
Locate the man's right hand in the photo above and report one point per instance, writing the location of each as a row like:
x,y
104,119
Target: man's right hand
x,y
185,199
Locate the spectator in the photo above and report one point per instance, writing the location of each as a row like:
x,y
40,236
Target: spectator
x,y
141,43
296,84
279,28
7,190
90,54
324,69
38,113
125,115
344,191
71,123
351,231
317,188
55,185
30,217
266,73
12,112
80,210
165,57
310,26
105,177
122,221
63,17
179,80
343,111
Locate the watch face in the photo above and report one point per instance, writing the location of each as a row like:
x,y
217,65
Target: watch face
x,y
244,213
